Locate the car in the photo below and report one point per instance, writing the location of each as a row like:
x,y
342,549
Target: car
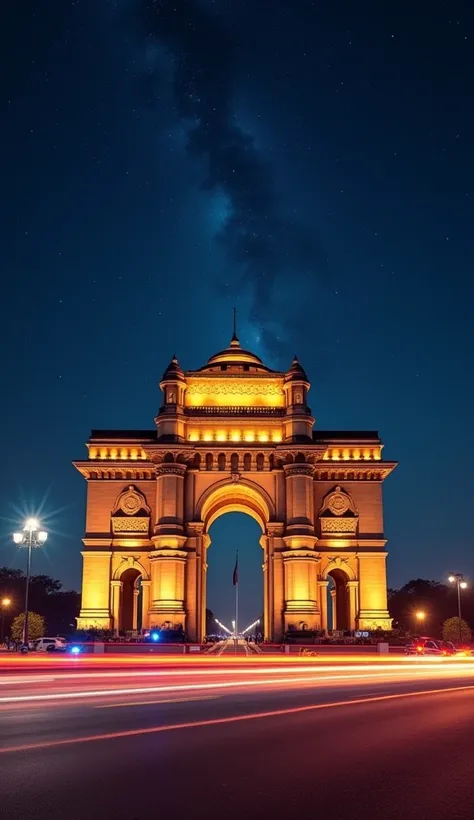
x,y
425,646
50,645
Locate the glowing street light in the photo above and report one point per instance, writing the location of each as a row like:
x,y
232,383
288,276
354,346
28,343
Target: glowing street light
x,y
251,626
420,616
458,579
222,626
5,604
31,537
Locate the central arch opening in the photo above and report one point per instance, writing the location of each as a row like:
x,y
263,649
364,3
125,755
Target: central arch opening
x,y
230,532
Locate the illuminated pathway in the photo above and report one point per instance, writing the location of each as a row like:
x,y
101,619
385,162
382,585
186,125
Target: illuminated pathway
x,y
367,739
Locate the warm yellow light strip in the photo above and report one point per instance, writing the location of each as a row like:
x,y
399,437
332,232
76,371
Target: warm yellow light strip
x,y
235,435
353,454
114,453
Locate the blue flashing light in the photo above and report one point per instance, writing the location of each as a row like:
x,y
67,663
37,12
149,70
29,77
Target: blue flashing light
x,y
155,636
75,650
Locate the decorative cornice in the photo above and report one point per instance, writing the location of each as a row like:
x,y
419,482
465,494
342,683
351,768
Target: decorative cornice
x,y
350,471
167,552
298,469
301,553
171,469
115,470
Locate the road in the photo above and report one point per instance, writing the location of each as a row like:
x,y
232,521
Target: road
x,y
291,740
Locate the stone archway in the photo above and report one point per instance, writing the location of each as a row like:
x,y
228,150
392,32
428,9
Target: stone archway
x,y
245,496
235,435
340,600
130,615
341,585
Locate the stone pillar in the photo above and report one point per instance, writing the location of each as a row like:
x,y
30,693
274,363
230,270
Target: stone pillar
x,y
277,627
115,592
267,567
373,610
333,608
195,583
352,586
95,609
301,588
299,501
167,586
169,501
136,593
323,603
145,604
167,561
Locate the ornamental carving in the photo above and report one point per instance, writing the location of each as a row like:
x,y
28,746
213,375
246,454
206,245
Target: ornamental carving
x,y
338,526
130,525
234,387
338,503
130,502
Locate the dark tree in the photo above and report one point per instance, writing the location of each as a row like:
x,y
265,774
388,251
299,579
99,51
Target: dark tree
x,y
58,608
436,600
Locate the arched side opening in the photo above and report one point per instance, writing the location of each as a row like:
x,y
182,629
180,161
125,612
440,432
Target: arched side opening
x,y
339,602
130,603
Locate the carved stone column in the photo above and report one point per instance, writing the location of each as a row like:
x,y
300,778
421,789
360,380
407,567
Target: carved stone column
x,y
196,571
323,603
273,582
169,503
115,592
136,593
352,586
299,501
145,604
301,588
333,609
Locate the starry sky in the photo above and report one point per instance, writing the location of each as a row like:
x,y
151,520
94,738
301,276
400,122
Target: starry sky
x,y
308,162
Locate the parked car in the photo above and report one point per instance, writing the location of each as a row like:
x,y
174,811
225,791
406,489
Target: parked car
x,y
50,645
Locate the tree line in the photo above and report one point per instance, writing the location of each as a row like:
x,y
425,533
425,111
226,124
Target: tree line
x,y
59,608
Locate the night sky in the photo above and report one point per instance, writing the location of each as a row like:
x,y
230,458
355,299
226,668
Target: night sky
x,y
310,163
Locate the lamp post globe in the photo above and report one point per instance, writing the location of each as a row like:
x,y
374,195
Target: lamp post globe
x,y
31,536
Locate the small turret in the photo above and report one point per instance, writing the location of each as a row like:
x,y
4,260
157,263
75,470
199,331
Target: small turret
x,y
298,422
296,372
173,372
170,421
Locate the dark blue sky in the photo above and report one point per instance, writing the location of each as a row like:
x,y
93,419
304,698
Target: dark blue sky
x,y
310,163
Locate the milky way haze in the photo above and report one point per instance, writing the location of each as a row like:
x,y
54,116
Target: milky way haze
x,y
266,249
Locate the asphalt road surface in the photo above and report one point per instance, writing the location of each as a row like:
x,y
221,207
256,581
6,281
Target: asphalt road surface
x,y
292,742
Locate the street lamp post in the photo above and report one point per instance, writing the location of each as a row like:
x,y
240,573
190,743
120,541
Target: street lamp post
x,y
458,579
5,604
31,537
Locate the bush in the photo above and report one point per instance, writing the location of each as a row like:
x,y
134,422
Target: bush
x,y
456,630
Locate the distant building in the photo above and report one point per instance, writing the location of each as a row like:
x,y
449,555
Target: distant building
x,y
234,435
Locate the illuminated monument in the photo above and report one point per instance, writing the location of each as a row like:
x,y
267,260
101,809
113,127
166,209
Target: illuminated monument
x,y
234,436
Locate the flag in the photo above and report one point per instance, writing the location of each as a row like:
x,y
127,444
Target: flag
x,y
235,577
